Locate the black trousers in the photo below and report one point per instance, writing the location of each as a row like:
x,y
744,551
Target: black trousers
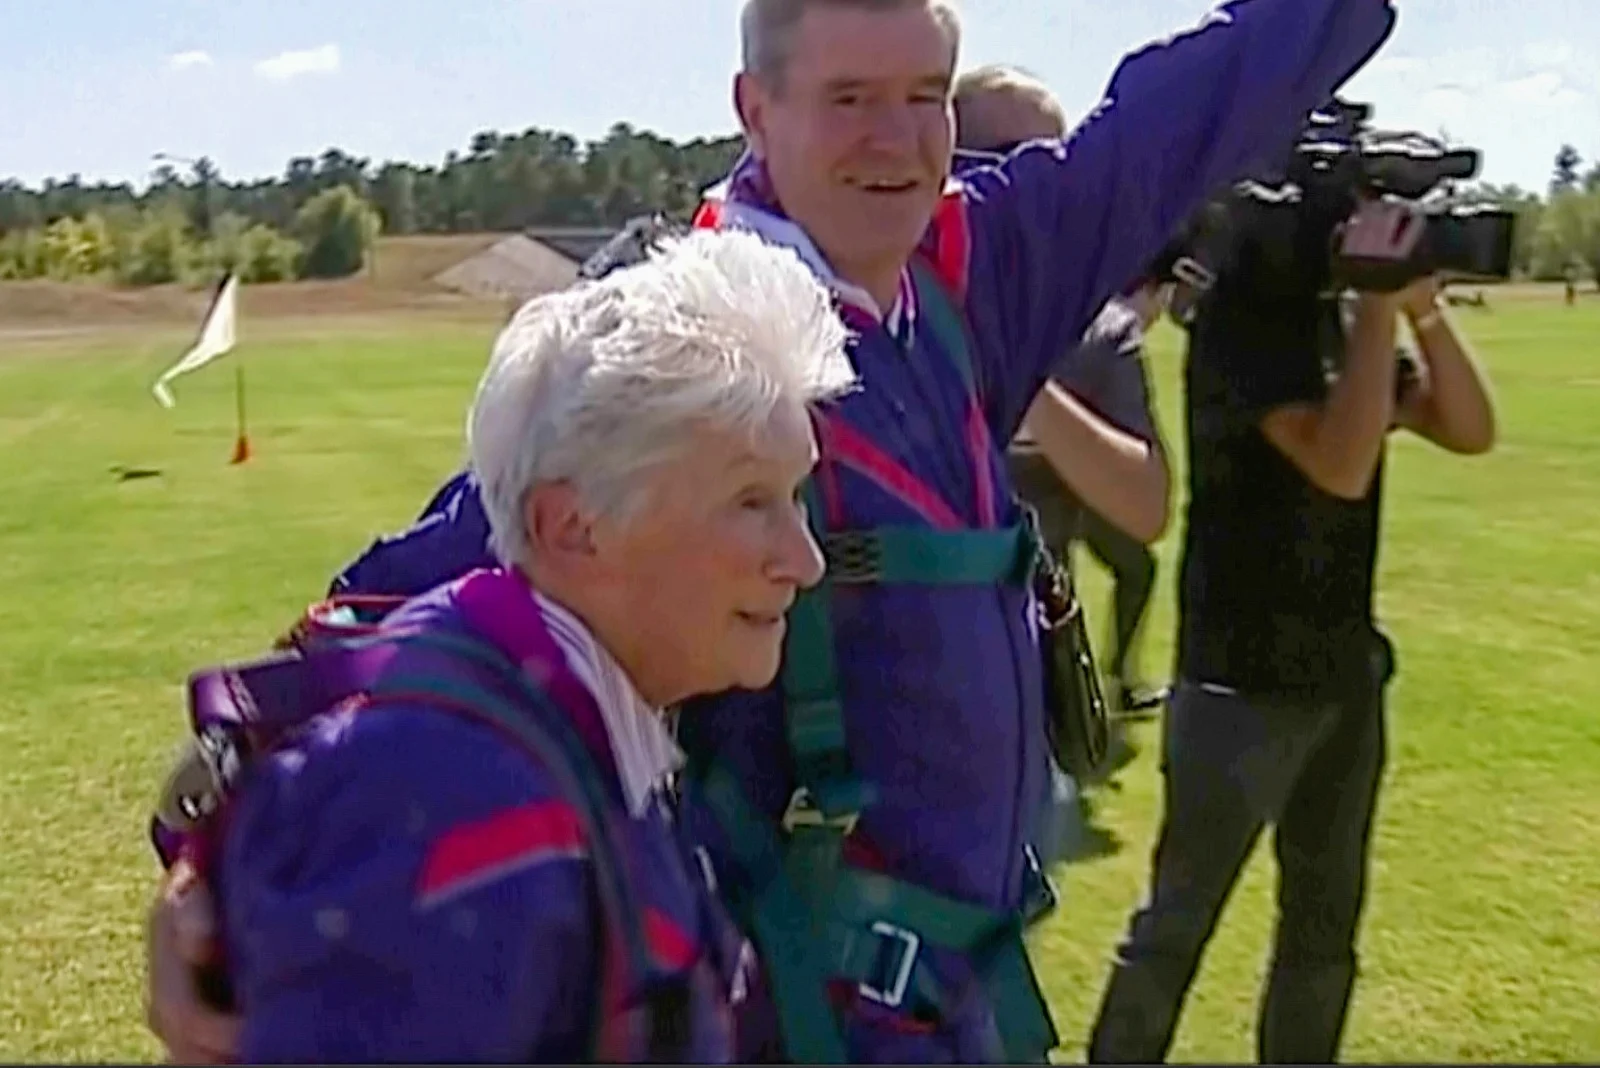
x,y
1231,766
1133,569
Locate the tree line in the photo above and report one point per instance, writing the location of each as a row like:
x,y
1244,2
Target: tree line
x,y
319,218
185,224
152,244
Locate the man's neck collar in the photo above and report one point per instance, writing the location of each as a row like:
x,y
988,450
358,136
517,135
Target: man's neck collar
x,y
772,225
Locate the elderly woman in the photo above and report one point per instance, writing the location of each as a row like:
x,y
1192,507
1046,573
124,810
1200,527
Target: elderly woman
x,y
401,879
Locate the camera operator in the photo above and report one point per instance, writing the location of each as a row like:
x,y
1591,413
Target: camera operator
x,y
1277,715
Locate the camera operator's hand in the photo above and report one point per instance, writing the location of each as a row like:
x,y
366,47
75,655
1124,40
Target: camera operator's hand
x,y
1375,250
1420,299
1447,400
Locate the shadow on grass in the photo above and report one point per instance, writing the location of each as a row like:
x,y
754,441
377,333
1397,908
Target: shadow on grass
x,y
134,474
1071,832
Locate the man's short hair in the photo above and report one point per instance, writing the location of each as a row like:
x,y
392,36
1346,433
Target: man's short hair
x,y
767,29
598,384
1015,86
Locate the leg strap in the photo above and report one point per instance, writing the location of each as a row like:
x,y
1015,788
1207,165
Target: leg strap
x,y
881,927
815,918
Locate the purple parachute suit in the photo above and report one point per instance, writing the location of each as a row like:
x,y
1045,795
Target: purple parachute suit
x,y
941,685
401,882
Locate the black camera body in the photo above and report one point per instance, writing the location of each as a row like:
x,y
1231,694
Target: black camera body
x,y
1276,232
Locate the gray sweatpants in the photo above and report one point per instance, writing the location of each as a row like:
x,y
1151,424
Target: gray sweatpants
x,y
1231,766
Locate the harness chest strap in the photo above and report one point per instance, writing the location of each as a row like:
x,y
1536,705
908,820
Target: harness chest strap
x,y
887,556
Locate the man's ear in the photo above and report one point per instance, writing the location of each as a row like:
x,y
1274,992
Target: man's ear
x,y
557,527
749,102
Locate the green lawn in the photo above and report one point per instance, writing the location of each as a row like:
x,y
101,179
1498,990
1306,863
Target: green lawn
x,y
1483,939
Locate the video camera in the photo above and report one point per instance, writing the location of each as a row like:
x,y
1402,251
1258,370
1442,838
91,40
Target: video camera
x,y
1275,231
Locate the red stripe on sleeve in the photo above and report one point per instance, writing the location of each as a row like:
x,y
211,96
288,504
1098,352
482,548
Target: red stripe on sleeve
x,y
475,854
670,944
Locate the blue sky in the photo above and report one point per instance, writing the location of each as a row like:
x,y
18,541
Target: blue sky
x,y
97,86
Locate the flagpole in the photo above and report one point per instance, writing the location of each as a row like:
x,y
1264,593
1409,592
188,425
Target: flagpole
x,y
241,442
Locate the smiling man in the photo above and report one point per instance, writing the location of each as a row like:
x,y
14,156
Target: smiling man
x,y
909,715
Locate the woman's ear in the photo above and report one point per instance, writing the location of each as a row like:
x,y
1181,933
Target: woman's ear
x,y
556,525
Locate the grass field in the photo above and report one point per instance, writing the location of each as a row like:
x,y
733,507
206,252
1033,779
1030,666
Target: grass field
x,y
1483,939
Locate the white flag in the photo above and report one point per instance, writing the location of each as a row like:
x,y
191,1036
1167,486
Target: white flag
x,y
216,338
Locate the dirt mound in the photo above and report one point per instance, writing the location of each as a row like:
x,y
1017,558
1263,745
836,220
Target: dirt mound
x,y
513,268
412,263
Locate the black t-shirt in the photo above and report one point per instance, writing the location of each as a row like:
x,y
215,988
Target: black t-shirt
x,y
1276,585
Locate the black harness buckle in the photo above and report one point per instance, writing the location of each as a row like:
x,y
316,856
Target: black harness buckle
x,y
854,557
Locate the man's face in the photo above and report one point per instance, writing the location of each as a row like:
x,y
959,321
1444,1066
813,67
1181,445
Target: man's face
x,y
857,138
708,568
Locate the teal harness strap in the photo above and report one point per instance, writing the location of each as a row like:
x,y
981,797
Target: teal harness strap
x,y
782,922
814,716
897,918
945,320
992,941
917,556
830,792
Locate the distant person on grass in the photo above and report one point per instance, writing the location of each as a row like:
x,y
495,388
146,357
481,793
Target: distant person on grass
x,y
404,879
874,810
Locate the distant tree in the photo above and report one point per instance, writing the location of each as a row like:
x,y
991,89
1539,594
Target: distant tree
x,y
1565,176
1587,237
336,228
206,177
19,207
394,194
158,252
267,256
223,250
77,248
1569,236
22,254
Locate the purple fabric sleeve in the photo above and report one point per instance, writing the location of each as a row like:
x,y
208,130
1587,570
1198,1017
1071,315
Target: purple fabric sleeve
x,y
1058,227
449,538
390,894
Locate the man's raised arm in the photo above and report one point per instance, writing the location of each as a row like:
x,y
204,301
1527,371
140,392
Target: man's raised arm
x,y
1059,226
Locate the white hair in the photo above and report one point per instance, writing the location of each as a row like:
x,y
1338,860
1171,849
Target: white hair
x,y
597,384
